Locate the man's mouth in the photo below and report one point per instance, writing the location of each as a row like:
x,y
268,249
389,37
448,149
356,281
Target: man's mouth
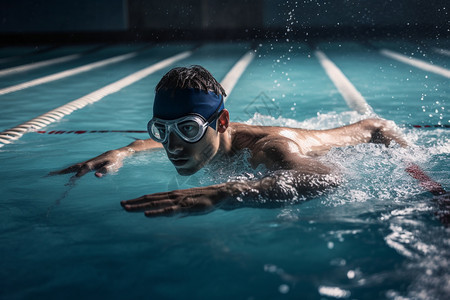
x,y
178,161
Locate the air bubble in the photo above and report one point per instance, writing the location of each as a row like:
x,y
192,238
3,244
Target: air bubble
x,y
284,289
351,274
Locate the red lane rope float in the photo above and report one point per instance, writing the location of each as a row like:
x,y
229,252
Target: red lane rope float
x,y
425,181
431,126
144,131
88,131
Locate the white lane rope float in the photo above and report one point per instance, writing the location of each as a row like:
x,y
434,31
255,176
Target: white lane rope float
x,y
37,65
67,73
442,51
56,114
232,77
351,95
357,102
420,64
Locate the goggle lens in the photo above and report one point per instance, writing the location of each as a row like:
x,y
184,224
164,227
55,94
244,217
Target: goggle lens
x,y
190,129
158,132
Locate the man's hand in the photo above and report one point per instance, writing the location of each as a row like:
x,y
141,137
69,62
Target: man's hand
x,y
188,201
108,162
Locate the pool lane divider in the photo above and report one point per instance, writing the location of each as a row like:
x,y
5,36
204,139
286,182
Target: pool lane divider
x,y
6,137
420,64
56,132
351,95
45,63
442,51
67,73
88,131
231,78
357,102
229,82
37,65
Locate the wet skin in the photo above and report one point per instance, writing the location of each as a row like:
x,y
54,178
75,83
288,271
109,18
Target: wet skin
x,y
289,153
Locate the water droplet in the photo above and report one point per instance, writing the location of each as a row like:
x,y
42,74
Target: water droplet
x,y
270,268
284,289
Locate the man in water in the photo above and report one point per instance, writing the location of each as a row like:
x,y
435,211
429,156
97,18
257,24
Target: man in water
x,y
191,124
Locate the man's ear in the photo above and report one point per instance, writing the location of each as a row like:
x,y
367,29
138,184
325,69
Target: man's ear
x,y
223,121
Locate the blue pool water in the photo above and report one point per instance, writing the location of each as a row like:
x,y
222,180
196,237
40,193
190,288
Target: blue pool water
x,y
374,237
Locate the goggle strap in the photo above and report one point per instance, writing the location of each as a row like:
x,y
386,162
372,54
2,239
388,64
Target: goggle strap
x,y
214,115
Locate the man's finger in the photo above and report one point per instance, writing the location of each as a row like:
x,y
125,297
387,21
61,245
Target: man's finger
x,y
83,170
149,205
149,198
102,171
167,212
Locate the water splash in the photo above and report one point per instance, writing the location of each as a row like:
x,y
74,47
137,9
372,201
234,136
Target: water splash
x,y
321,121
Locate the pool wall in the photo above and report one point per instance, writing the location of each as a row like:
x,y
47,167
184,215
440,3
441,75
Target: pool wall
x,y
139,20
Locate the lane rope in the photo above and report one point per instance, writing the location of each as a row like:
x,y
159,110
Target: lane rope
x,y
357,102
416,63
36,65
42,121
56,132
56,114
442,51
231,78
67,73
351,95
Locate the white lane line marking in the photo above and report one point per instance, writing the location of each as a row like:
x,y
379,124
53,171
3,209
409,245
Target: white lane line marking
x,y
416,63
442,51
56,114
36,65
348,91
66,73
232,77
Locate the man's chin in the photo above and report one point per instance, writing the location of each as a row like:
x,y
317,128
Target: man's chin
x,y
186,172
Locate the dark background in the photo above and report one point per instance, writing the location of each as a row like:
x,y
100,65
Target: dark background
x,y
29,21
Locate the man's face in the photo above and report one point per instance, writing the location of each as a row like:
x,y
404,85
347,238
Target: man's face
x,y
188,158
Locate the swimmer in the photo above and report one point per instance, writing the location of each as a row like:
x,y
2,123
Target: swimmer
x,y
192,125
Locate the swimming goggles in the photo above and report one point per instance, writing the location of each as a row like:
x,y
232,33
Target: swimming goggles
x,y
190,128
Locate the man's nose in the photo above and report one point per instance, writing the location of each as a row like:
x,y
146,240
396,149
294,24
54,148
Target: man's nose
x,y
174,143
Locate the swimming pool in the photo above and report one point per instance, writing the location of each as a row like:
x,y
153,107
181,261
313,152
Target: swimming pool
x,y
374,237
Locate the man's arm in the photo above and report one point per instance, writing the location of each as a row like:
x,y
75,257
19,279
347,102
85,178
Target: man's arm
x,y
293,177
274,190
377,131
109,161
